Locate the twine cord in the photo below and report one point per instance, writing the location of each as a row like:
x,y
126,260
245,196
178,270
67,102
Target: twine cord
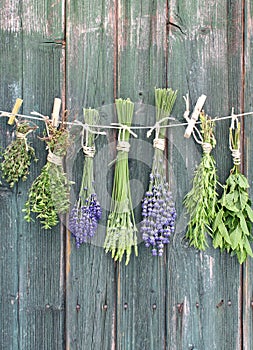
x,y
207,147
53,158
89,152
159,143
123,146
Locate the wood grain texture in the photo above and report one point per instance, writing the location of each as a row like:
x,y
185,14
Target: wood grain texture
x,y
32,71
204,288
90,294
248,166
141,66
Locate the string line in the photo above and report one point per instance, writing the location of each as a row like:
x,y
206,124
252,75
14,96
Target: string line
x,y
40,117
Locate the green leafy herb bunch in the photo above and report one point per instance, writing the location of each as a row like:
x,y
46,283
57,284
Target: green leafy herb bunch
x,y
121,232
49,193
232,228
201,201
18,155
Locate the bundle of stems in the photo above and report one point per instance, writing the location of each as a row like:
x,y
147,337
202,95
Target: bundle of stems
x,y
121,232
232,228
50,191
201,201
18,155
158,207
86,213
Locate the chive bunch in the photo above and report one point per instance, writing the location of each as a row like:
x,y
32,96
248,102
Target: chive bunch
x,y
201,201
18,155
86,213
158,207
121,231
49,193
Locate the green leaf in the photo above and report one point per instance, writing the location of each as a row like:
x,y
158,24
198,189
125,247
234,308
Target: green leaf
x,y
235,237
242,181
247,246
243,224
249,212
223,230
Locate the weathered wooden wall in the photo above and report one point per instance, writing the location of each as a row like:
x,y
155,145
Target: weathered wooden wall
x,y
54,296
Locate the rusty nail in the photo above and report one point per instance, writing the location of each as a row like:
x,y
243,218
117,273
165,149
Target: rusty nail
x,y
220,303
78,307
125,306
180,307
197,305
105,307
154,306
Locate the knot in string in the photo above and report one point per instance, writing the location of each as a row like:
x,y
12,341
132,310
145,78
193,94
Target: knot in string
x,y
21,136
236,154
89,152
123,146
53,158
159,143
207,147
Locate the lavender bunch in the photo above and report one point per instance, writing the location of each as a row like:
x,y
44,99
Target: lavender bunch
x,y
86,213
158,207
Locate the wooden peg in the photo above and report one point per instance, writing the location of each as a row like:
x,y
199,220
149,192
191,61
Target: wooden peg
x,y
195,115
56,112
15,110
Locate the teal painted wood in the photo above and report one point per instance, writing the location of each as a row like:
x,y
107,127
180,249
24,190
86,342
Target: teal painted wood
x,y
90,294
248,166
35,278
204,288
141,66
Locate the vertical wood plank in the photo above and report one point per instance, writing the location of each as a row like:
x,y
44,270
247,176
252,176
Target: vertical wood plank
x,y
141,67
39,257
90,285
248,166
204,288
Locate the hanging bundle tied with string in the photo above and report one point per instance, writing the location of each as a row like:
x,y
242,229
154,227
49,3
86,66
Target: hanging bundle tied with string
x,y
232,227
121,232
50,191
158,207
201,201
18,155
86,213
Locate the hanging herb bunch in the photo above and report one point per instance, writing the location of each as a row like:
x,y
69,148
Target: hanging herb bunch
x,y
201,201
49,193
86,213
121,232
158,207
18,155
232,228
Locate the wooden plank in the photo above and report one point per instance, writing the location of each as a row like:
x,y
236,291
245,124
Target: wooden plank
x,y
39,254
141,67
247,156
10,89
204,288
90,293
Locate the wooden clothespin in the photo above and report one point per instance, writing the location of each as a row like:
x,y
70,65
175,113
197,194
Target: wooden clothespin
x,y
56,112
15,110
195,115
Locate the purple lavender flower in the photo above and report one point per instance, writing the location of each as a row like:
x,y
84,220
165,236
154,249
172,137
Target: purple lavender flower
x,y
159,215
83,219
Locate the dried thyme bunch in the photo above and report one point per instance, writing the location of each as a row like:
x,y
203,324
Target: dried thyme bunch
x,y
18,155
86,213
158,207
49,193
121,232
232,228
201,201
